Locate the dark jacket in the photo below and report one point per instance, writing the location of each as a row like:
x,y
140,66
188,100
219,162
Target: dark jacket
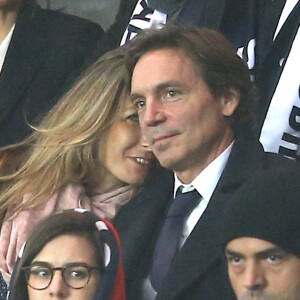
x,y
46,47
198,270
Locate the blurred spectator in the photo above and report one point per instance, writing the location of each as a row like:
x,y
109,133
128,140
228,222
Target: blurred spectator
x,y
39,50
102,12
277,75
235,19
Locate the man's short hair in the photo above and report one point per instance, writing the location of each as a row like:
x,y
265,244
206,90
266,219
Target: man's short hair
x,y
267,207
214,58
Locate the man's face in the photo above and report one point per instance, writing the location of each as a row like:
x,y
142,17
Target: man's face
x,y
261,270
183,122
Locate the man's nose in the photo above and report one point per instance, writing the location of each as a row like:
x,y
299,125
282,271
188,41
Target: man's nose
x,y
153,114
58,289
254,276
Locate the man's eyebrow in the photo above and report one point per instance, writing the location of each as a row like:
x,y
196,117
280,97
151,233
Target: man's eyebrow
x,y
269,251
135,96
232,252
169,83
261,254
158,88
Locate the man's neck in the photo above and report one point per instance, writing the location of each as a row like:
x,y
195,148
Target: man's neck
x,y
8,17
187,175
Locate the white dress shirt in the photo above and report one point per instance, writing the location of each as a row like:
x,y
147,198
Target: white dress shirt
x,y
205,184
4,46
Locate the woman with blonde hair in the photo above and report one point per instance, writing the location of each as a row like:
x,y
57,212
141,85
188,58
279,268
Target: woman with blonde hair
x,y
86,153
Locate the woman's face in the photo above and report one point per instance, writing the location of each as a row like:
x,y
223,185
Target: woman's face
x,y
124,153
59,252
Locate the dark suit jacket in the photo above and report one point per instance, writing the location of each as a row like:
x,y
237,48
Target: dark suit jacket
x,y
198,270
46,47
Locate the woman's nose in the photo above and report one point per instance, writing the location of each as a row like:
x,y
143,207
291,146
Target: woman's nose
x,y
58,288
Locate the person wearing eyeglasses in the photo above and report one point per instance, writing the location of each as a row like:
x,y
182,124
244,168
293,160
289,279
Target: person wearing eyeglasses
x,y
71,255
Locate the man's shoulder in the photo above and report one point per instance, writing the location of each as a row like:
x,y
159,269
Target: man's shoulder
x,y
247,158
65,33
57,28
274,160
263,160
67,22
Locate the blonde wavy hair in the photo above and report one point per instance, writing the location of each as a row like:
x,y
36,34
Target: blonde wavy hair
x,y
64,147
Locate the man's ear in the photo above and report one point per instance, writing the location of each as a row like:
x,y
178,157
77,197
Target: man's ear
x,y
230,102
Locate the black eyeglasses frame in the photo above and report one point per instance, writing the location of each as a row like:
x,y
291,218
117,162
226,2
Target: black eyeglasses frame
x,y
27,269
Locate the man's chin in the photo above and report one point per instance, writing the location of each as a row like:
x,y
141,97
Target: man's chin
x,y
259,295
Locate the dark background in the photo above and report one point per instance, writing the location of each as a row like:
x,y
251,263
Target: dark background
x,y
99,11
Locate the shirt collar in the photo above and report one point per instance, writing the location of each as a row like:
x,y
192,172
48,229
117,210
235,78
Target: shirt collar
x,y
4,46
206,181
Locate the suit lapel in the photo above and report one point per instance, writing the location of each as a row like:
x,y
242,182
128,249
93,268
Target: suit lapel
x,y
203,247
22,59
148,211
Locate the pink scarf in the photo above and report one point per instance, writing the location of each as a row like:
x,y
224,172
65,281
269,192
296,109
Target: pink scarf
x,y
16,229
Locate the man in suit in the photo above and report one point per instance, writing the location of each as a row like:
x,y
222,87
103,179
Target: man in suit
x,y
264,32
261,235
39,50
193,94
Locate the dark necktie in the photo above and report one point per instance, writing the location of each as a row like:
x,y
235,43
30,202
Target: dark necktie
x,y
170,235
